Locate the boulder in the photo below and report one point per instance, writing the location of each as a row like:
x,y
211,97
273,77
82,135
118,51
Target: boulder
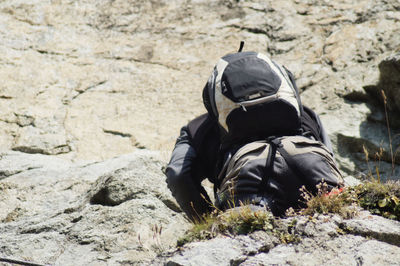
x,y
56,212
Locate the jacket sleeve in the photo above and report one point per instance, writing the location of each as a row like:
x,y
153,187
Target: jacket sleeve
x,y
312,123
324,135
187,190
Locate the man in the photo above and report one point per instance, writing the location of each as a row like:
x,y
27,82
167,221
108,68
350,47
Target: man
x,y
249,98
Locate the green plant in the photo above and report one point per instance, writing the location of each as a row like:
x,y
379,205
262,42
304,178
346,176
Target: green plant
x,y
201,230
380,198
244,220
377,197
340,201
240,220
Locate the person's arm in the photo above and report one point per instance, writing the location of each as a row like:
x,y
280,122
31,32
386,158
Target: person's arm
x,y
312,123
187,190
324,135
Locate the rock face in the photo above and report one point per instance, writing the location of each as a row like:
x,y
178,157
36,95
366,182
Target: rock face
x,y
115,212
92,80
89,87
389,84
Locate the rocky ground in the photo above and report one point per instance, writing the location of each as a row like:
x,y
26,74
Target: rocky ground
x,y
93,95
325,240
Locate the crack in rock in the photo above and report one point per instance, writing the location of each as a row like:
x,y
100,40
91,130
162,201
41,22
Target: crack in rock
x,y
88,88
5,97
7,173
20,119
65,148
24,120
132,59
251,30
117,133
392,238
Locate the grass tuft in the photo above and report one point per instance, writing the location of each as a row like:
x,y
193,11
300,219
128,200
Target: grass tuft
x,y
379,198
340,201
241,220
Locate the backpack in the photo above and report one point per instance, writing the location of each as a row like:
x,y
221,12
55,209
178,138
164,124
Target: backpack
x,y
252,97
271,172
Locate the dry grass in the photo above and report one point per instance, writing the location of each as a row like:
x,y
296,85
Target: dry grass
x,y
379,198
238,221
339,201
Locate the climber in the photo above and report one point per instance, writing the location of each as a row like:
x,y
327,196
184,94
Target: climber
x,y
257,143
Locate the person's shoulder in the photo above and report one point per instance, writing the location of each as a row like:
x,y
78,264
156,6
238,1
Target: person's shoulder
x,y
203,130
201,124
200,118
308,111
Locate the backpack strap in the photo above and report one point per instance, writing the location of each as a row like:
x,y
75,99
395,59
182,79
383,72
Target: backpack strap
x,y
218,180
274,143
293,166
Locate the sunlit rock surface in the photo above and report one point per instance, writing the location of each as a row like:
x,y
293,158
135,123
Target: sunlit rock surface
x,y
93,94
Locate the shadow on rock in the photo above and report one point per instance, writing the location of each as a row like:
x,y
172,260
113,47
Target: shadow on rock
x,y
375,151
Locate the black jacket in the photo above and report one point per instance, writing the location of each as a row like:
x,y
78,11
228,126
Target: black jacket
x,y
198,155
